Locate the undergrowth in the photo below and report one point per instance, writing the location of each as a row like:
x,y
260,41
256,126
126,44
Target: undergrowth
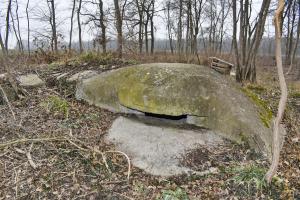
x,y
177,194
250,175
56,105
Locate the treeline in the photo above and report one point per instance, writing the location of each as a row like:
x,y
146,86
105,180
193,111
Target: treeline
x,y
192,26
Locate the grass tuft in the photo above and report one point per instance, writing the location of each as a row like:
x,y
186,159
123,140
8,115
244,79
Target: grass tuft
x,y
251,175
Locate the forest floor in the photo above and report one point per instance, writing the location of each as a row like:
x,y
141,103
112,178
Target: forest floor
x,y
55,149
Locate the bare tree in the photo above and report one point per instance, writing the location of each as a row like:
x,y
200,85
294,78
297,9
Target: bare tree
x,y
15,30
119,26
152,25
295,44
179,28
28,27
170,24
277,138
18,25
79,26
198,6
53,23
234,40
250,38
7,24
71,29
102,26
2,45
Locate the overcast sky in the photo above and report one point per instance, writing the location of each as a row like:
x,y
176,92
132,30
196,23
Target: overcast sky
x,y
64,12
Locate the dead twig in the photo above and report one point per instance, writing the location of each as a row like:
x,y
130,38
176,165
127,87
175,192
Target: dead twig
x,y
25,140
28,155
128,161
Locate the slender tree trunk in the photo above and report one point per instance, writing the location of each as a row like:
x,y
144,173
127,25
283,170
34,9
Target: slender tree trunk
x,y
103,27
250,73
15,30
28,27
188,24
7,24
140,7
290,39
146,35
296,44
71,29
277,138
79,27
2,45
54,25
152,28
235,43
119,24
179,34
18,26
169,27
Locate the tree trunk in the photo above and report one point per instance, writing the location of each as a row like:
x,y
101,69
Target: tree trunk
x,y
235,43
2,45
7,24
246,68
152,28
79,27
18,26
296,44
146,35
140,22
28,27
169,26
71,29
119,23
277,138
250,72
102,26
15,30
54,25
179,33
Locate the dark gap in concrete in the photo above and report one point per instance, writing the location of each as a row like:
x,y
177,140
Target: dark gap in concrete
x,y
167,117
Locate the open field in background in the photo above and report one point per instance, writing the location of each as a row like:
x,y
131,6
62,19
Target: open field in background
x,y
69,167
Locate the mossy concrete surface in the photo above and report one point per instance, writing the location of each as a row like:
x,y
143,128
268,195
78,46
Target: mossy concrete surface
x,y
209,99
30,80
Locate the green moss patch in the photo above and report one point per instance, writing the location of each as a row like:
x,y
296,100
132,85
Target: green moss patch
x,y
265,112
256,88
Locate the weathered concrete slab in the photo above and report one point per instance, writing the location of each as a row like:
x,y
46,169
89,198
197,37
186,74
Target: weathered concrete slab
x,y
83,74
155,149
30,80
207,98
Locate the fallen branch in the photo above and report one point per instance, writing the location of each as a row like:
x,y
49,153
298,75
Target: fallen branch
x,y
7,102
25,140
28,155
